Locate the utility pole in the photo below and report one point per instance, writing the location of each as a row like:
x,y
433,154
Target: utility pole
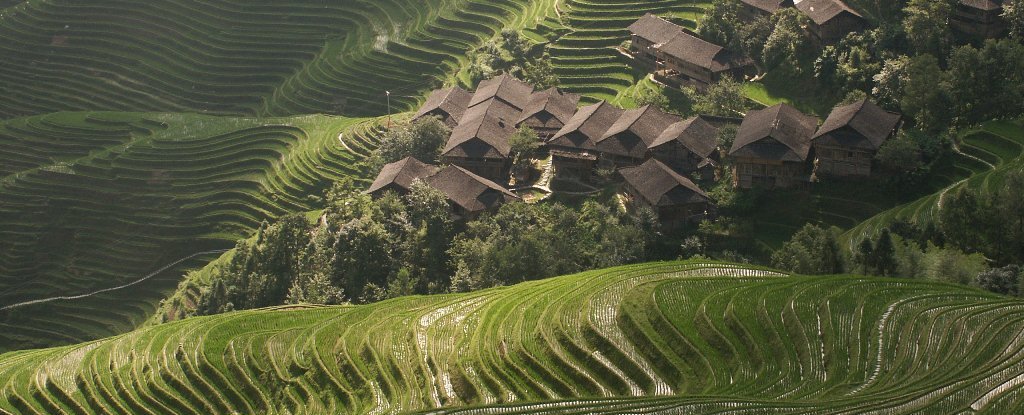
x,y
388,93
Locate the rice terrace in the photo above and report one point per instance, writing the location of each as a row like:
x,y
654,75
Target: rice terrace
x,y
511,207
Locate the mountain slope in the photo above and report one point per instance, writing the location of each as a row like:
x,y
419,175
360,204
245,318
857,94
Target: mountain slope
x,y
700,337
95,201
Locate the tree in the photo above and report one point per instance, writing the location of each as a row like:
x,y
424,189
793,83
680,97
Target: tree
x,y
926,24
1005,280
885,254
724,98
900,155
720,23
1013,14
925,94
541,74
987,82
865,256
888,90
422,139
957,218
523,144
812,250
652,96
787,39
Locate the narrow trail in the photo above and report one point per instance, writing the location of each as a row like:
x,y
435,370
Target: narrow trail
x,y
956,149
120,287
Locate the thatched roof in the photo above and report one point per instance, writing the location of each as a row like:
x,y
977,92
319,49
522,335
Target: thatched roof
x,y
504,87
695,134
870,126
689,48
590,122
659,185
654,29
787,126
453,101
469,191
484,131
821,11
559,106
401,174
646,123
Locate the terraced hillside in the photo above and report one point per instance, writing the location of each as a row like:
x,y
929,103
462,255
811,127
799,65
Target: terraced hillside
x,y
94,201
240,57
678,337
987,153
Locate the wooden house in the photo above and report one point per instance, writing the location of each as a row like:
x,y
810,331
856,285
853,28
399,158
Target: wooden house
x,y
548,111
648,32
771,148
480,142
574,148
688,146
398,177
846,143
981,18
469,194
448,104
675,199
831,20
627,141
754,9
692,59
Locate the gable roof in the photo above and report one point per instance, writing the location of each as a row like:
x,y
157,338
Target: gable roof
x,y
401,173
659,185
452,101
492,123
689,48
647,123
591,121
986,5
821,11
769,6
870,121
787,125
504,87
465,189
694,133
654,29
560,105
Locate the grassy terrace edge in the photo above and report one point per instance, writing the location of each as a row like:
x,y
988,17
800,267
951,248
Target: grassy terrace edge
x,y
678,335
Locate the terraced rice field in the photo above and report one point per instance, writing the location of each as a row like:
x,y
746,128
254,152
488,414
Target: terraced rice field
x,y
988,153
674,337
233,57
95,201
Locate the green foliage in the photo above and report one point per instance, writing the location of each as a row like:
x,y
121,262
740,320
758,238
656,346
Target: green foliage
x,y
1013,14
787,40
926,24
513,54
423,139
541,74
724,98
1005,280
992,222
900,155
925,95
849,65
812,250
654,97
721,24
524,143
987,82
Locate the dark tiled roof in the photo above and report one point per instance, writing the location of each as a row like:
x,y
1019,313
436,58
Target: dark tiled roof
x,y
484,131
697,135
659,185
452,101
647,123
872,124
769,6
654,29
401,173
469,191
821,11
689,48
561,106
987,5
591,122
783,123
504,87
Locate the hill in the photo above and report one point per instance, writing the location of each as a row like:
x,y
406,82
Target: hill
x,y
91,202
674,336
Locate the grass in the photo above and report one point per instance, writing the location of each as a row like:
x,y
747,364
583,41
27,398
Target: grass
x,y
95,200
681,336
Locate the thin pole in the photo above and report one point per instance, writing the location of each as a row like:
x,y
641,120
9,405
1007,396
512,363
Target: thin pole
x,y
388,93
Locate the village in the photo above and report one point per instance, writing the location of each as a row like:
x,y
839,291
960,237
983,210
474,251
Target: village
x,y
663,161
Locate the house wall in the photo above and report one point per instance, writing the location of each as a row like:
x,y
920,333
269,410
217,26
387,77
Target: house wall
x,y
976,22
688,69
842,162
676,156
447,119
643,48
750,172
835,29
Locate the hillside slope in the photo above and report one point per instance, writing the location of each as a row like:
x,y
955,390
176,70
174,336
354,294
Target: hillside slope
x,y
95,201
675,336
